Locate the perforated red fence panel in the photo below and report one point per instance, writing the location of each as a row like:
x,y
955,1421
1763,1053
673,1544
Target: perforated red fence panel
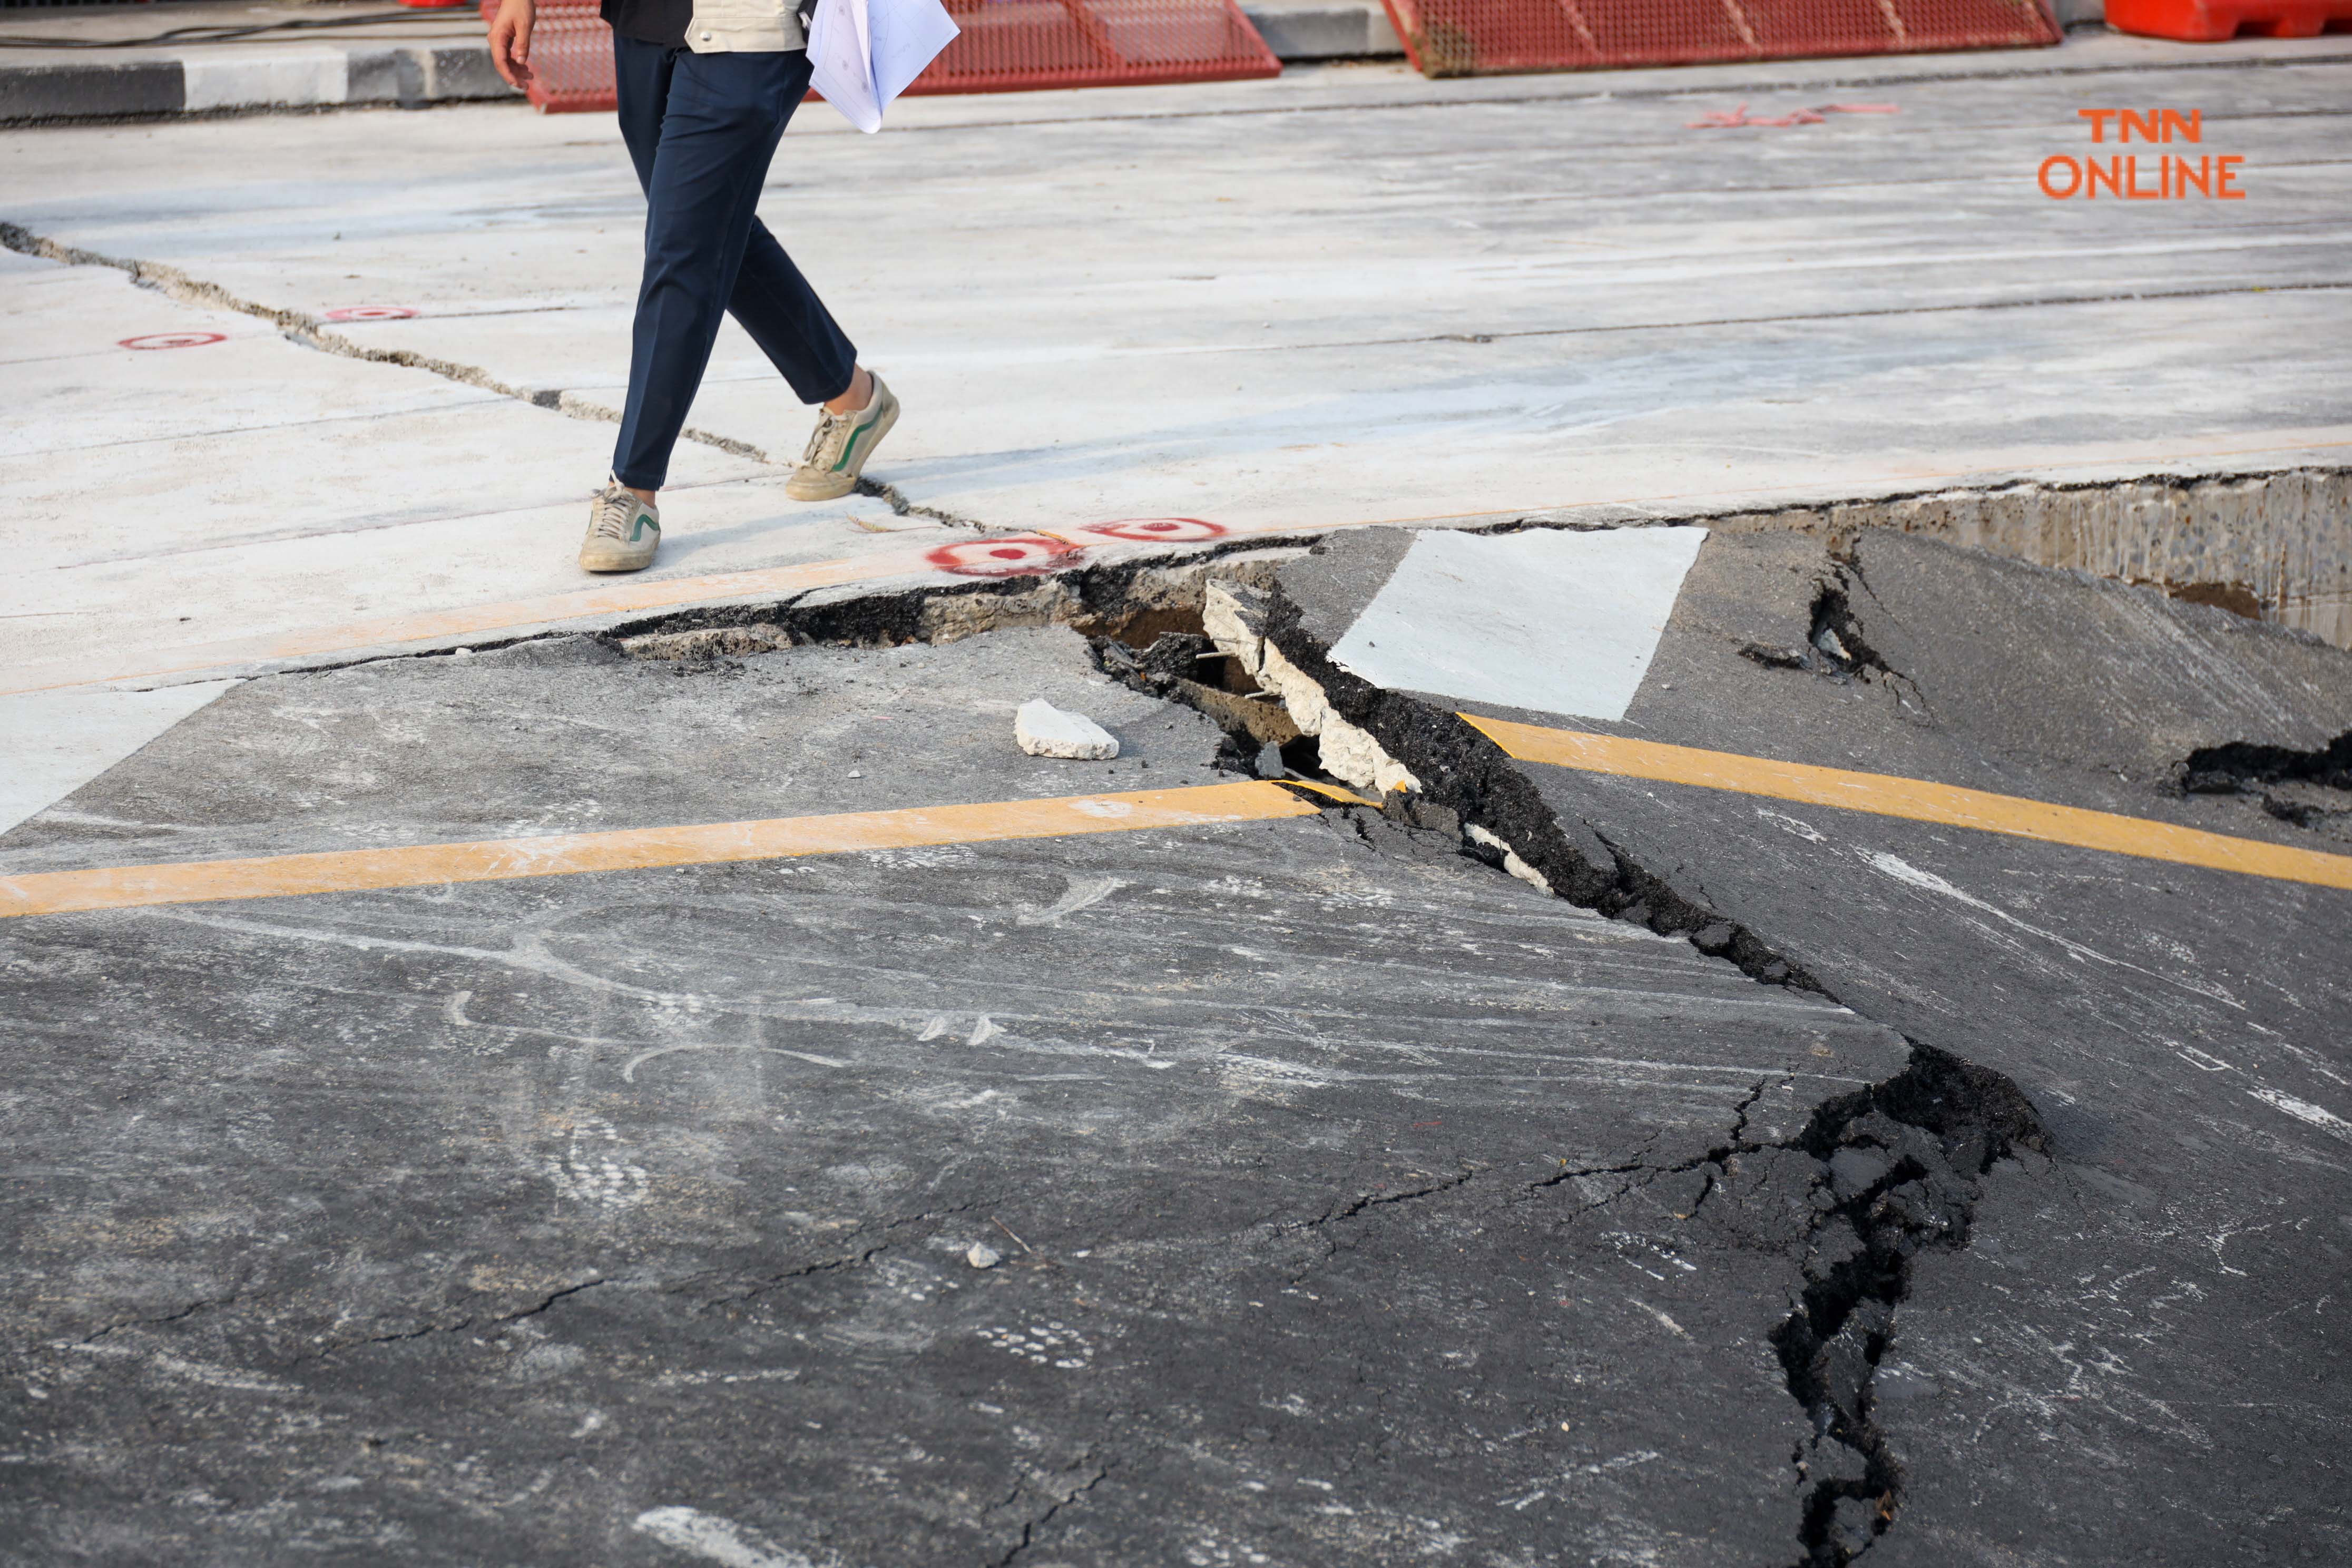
x,y
1006,45
1486,38
1013,45
570,56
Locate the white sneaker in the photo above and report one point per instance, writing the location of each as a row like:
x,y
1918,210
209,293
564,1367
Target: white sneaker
x,y
837,451
623,532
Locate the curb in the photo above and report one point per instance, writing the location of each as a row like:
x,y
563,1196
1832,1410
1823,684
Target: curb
x,y
1304,30
307,77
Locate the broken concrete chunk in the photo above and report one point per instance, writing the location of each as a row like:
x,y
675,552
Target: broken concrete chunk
x,y
1234,615
1044,730
1511,861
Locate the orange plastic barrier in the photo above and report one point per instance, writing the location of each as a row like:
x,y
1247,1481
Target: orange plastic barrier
x,y
2210,21
1006,45
1483,38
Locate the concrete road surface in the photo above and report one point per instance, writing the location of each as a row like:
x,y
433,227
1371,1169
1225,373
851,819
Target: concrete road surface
x,y
1663,1022
1348,295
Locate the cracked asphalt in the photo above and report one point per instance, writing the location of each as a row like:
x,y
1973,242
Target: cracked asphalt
x,y
1781,1187
1334,1177
504,1072
2145,1320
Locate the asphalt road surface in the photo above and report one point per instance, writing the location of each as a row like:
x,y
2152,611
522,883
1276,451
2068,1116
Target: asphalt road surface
x,y
1283,1184
2139,1334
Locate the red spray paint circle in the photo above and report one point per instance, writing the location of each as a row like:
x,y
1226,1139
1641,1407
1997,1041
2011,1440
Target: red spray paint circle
x,y
173,340
1161,529
370,313
1008,555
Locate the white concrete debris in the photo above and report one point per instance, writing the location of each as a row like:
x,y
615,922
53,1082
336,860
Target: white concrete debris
x,y
983,1256
1231,614
1044,730
1511,861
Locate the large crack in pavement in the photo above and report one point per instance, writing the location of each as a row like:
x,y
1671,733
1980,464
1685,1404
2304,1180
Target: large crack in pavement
x,y
1434,771
1367,1200
310,331
1898,1168
1897,1165
1900,1164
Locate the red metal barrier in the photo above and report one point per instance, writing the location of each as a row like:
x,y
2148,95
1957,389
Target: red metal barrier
x,y
1014,46
570,56
1486,38
1006,45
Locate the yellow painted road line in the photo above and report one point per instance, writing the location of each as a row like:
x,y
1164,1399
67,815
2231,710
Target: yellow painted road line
x,y
1888,794
642,848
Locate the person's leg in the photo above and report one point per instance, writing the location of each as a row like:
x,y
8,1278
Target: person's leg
x,y
624,525
718,130
641,73
776,306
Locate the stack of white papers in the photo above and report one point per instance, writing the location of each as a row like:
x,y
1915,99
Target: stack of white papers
x,y
863,53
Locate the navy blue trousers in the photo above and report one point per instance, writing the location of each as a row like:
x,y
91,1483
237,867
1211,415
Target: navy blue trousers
x,y
701,130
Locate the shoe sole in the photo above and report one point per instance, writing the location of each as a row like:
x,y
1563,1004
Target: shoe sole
x,y
611,560
840,485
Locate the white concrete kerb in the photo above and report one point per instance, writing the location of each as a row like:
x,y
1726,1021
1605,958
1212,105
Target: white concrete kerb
x,y
297,76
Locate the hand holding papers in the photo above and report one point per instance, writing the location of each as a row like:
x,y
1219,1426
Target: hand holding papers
x,y
863,53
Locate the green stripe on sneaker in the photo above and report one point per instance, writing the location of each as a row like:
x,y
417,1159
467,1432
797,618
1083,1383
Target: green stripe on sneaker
x,y
850,447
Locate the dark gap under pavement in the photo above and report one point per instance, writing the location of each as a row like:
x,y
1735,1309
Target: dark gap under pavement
x,y
2244,768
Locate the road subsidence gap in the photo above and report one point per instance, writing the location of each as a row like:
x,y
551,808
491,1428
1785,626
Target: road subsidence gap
x,y
1897,1167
